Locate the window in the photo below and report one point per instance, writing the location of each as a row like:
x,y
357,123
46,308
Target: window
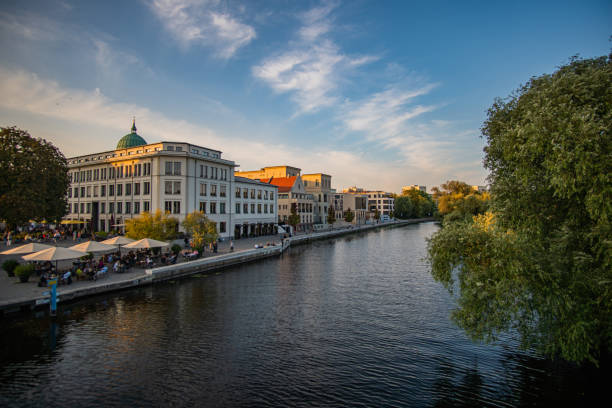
x,y
202,189
69,193
76,208
259,194
252,208
237,208
170,148
222,226
119,207
147,188
245,193
176,207
271,195
177,187
128,208
177,168
111,208
168,166
95,193
119,189
173,168
179,149
76,192
137,207
128,189
265,208
222,190
111,190
82,208
168,206
221,208
146,206
136,188
253,193
245,208
203,206
102,191
213,208
88,191
201,170
168,187
213,190
258,208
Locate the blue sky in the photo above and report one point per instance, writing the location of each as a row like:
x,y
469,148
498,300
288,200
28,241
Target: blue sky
x,y
379,94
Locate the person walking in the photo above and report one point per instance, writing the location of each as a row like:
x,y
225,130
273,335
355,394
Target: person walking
x,y
231,246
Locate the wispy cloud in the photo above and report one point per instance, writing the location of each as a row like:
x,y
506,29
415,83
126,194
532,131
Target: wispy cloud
x,y
26,92
203,22
312,68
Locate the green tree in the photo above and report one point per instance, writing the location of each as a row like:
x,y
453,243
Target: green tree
x,y
377,215
457,201
202,230
159,226
331,215
403,207
349,215
294,218
33,178
540,263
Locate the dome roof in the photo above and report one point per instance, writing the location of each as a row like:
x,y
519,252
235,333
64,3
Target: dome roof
x,y
132,139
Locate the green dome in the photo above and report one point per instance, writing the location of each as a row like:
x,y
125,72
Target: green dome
x,y
132,139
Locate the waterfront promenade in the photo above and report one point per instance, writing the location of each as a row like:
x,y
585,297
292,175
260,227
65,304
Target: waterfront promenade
x,y
15,296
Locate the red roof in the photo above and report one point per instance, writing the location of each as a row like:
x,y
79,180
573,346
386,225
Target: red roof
x,y
284,184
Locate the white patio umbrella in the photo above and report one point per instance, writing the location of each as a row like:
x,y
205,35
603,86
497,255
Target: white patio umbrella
x,y
53,254
93,246
118,240
26,249
146,243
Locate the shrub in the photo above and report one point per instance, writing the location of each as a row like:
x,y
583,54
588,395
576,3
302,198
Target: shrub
x,y
23,272
9,266
101,234
175,249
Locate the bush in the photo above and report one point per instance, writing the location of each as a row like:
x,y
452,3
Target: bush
x,y
101,234
175,249
9,266
23,272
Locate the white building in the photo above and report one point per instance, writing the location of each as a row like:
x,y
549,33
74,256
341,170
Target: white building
x,y
380,201
109,187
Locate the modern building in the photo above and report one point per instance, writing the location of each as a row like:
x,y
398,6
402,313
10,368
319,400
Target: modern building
x,y
291,193
176,177
480,189
380,201
414,187
268,172
319,185
357,203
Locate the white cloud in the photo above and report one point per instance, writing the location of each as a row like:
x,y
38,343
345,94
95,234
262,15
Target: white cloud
x,y
33,97
203,22
313,67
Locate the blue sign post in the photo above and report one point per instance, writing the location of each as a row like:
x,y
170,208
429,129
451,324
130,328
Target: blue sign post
x,y
53,303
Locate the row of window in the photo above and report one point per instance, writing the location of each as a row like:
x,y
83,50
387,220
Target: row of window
x,y
100,191
132,170
113,208
245,208
261,194
214,173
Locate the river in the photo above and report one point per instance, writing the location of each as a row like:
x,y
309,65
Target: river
x,y
356,321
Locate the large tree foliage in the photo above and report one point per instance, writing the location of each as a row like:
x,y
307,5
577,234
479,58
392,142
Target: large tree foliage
x,y
414,204
457,200
33,178
160,226
349,215
541,262
331,215
202,230
294,218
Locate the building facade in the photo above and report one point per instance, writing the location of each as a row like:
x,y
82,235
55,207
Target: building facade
x,y
357,203
176,177
292,194
378,201
319,185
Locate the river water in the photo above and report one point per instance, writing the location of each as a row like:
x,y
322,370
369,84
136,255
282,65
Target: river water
x,y
356,321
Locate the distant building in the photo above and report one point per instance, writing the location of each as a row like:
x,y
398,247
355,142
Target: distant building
x,y
291,192
109,187
319,185
414,187
380,201
480,189
357,203
272,171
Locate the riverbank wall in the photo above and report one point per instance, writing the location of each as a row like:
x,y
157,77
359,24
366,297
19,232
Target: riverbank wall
x,y
184,269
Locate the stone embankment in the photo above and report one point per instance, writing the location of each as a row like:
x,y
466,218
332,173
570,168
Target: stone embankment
x,y
163,273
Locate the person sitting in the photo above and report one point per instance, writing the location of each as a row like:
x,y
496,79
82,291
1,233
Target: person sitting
x,y
67,278
101,263
43,281
172,259
79,274
116,267
148,261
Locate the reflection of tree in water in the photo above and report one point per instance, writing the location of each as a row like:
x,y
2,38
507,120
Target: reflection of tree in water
x,y
465,393
542,382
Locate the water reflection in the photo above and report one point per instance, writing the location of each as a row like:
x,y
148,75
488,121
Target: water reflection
x,y
356,321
